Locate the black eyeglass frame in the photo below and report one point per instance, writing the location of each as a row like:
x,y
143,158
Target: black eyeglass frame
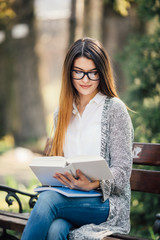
x,y
84,73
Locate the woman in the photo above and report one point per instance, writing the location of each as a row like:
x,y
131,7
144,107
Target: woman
x,y
91,120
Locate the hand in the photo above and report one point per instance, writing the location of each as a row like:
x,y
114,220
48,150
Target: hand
x,y
81,183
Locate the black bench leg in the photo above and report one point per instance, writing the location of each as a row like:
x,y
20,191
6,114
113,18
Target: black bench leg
x,y
156,226
6,236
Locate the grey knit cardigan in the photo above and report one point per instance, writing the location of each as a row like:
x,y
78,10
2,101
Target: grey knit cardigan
x,y
116,148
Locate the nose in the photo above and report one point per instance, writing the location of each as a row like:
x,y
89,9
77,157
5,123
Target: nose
x,y
85,79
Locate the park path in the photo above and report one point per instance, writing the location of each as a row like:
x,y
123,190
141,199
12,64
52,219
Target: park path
x,y
15,164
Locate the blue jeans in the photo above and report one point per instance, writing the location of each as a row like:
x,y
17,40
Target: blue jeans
x,y
54,215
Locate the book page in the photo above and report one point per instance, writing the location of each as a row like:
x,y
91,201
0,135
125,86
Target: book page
x,y
83,158
49,161
45,168
45,174
94,170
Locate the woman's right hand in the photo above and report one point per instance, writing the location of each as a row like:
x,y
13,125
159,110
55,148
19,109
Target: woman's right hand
x,y
80,183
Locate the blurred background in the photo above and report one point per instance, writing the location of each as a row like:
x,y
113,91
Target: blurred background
x,y
34,38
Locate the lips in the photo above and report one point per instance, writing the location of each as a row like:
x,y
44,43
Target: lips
x,y
85,86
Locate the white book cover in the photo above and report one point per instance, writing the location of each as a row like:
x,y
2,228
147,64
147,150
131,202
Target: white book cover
x,y
93,167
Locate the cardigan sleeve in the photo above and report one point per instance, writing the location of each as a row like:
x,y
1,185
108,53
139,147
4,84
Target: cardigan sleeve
x,y
119,147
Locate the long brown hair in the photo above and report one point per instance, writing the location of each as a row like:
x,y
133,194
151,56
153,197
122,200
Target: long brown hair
x,y
91,49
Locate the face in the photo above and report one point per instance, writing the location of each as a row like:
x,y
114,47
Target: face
x,y
85,86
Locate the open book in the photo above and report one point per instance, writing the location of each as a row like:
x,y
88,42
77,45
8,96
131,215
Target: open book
x,y
93,167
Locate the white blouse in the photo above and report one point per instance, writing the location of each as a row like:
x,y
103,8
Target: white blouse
x,y
83,136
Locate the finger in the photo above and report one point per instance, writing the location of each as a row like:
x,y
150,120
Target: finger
x,y
73,182
71,186
62,179
70,177
81,175
65,182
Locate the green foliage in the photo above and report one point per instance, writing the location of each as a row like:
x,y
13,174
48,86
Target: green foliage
x,y
145,10
119,6
6,143
7,14
148,10
144,207
11,182
122,6
15,11
141,64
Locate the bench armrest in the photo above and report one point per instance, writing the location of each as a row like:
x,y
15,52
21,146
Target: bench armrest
x,y
11,192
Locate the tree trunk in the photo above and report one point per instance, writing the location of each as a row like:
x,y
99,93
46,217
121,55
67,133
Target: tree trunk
x,y
79,19
30,123
4,61
116,30
23,108
72,24
93,18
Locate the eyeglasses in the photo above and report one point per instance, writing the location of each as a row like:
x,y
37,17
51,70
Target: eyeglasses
x,y
78,75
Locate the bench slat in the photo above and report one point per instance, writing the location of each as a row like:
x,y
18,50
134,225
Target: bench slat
x,y
111,238
13,221
145,181
123,237
24,216
146,154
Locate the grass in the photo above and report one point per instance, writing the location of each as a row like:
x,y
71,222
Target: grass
x,y
6,143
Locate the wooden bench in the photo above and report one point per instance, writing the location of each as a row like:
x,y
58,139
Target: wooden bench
x,y
141,180
145,154
12,220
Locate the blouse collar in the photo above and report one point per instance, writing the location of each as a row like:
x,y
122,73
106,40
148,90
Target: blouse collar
x,y
97,99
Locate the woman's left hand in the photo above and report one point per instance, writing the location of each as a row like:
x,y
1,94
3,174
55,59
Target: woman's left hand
x,y
81,182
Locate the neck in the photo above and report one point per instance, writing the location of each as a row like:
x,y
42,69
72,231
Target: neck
x,y
84,100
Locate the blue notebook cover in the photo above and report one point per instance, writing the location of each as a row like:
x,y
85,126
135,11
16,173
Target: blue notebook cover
x,y
69,192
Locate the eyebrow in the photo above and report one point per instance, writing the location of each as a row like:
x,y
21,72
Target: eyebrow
x,y
83,69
